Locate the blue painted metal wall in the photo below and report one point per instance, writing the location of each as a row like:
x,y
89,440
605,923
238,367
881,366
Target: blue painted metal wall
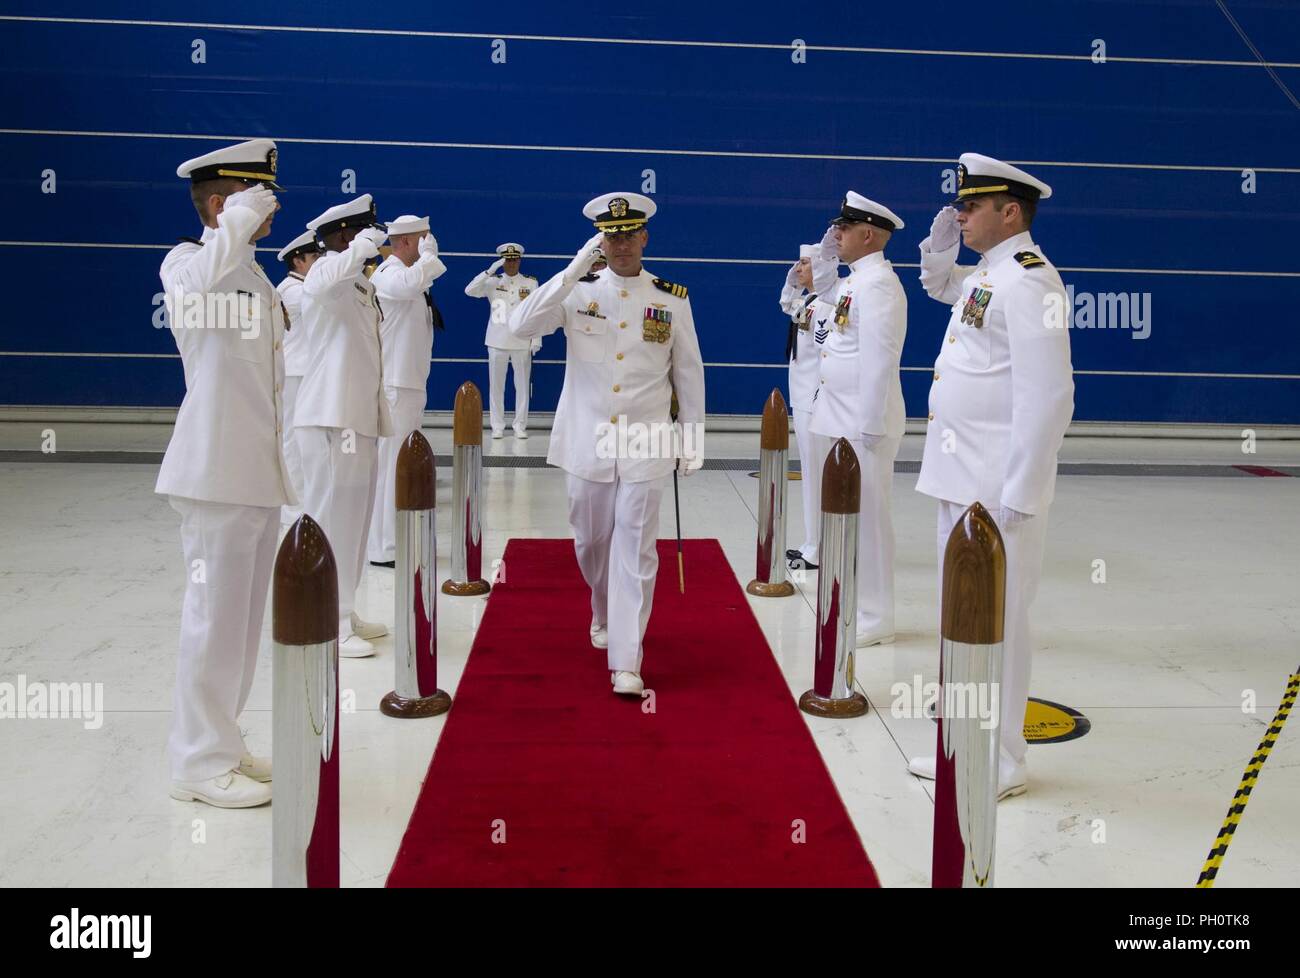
x,y
751,154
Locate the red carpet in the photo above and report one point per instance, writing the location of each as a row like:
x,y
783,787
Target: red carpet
x,y
590,790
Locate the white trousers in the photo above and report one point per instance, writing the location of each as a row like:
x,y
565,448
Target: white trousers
x,y
1024,543
615,527
875,532
810,467
292,457
498,361
229,554
339,494
407,407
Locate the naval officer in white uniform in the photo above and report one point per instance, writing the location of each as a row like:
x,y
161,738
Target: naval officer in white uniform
x,y
1001,399
342,410
298,256
809,325
860,394
406,334
505,350
224,471
631,342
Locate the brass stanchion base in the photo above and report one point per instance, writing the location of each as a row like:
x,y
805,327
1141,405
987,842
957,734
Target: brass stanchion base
x,y
404,708
461,589
854,705
763,589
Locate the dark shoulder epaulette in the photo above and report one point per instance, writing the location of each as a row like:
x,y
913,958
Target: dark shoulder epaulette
x,y
589,277
1028,259
672,288
196,241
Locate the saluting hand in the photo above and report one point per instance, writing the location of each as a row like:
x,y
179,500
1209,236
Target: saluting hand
x,y
495,266
581,263
792,276
944,231
258,198
367,242
429,246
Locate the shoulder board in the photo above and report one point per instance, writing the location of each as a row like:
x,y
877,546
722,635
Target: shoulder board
x,y
589,277
671,288
531,277
1028,259
196,241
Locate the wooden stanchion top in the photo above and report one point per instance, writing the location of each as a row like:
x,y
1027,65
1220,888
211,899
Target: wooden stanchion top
x,y
776,423
841,479
974,580
305,587
467,419
414,487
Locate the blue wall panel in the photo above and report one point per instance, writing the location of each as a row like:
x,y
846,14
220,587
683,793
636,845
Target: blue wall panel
x,y
1145,158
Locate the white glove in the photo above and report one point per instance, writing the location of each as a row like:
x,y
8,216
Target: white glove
x,y
495,267
871,441
828,249
686,465
944,231
581,263
535,348
792,276
367,242
429,246
257,198
1006,516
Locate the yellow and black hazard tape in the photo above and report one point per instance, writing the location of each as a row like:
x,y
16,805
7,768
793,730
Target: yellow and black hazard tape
x,y
1215,859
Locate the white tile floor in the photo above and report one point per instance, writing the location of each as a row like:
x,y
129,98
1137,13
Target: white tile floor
x,y
1200,605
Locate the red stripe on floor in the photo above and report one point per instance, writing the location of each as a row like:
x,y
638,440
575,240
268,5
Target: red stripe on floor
x,y
1261,470
543,777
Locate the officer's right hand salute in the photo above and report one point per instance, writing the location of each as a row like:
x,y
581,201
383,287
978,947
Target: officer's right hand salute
x,y
495,267
367,242
581,263
258,198
826,266
944,230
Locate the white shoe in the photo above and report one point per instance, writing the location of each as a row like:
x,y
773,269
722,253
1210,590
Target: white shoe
x,y
353,646
498,433
521,433
367,629
1012,777
599,635
628,683
229,790
257,768
865,641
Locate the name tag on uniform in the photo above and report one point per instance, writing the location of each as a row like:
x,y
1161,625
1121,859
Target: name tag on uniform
x,y
656,325
972,313
842,312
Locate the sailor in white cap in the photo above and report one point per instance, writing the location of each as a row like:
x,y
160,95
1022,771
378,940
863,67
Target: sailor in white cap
x,y
402,285
631,342
809,325
505,292
1001,399
860,394
224,471
342,410
298,256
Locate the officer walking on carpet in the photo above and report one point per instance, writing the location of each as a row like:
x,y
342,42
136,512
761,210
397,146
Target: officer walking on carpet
x,y
1001,399
631,342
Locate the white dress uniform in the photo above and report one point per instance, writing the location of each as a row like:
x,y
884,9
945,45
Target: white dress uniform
x,y
802,350
342,410
406,336
295,360
631,341
860,397
224,471
1001,400
505,350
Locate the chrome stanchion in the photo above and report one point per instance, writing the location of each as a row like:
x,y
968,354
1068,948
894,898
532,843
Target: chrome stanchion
x,y
415,631
466,486
304,705
832,694
774,451
970,674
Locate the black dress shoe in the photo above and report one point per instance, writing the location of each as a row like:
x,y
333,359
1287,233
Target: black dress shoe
x,y
794,555
802,563
384,563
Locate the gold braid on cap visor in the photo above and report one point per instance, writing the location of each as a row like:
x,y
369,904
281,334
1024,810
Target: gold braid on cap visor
x,y
623,225
969,191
